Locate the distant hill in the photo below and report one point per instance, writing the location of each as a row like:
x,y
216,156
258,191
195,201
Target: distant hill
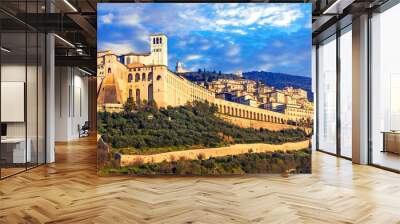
x,y
281,80
207,76
277,80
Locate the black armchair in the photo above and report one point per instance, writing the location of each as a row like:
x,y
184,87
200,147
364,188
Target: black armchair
x,y
84,130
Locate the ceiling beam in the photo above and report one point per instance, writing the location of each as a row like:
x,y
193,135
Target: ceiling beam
x,y
85,25
78,61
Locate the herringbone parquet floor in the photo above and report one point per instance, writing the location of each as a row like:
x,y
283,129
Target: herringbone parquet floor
x,y
69,191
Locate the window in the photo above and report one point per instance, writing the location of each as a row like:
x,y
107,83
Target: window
x,y
385,88
144,77
137,77
346,93
138,96
150,92
22,75
158,77
150,77
130,77
109,70
130,93
327,95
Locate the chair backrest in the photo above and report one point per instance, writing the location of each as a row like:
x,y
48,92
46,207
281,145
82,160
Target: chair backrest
x,y
86,125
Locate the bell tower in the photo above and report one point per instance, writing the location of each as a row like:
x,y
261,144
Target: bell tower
x,y
159,49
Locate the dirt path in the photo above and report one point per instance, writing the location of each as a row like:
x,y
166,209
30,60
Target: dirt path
x,y
126,160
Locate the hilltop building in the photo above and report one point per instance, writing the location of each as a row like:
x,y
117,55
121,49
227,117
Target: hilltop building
x,y
146,77
238,74
158,54
290,101
179,68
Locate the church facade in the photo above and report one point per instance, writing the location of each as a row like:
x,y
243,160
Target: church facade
x,y
158,54
147,77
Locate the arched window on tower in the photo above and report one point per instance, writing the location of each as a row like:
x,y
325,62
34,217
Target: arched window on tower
x,y
150,77
109,70
158,77
130,77
137,77
160,40
154,40
144,77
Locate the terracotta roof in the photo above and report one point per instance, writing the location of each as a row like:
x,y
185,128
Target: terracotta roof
x,y
104,51
137,54
135,65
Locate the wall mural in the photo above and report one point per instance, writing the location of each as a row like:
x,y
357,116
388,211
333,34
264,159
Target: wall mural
x,y
204,89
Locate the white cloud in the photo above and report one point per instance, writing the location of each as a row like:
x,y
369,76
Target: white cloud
x,y
277,43
107,19
233,51
233,18
256,14
284,59
132,19
117,48
205,47
185,23
265,57
238,31
143,36
220,45
192,57
265,67
235,60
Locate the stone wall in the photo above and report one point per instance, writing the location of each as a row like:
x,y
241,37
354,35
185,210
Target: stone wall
x,y
126,160
248,123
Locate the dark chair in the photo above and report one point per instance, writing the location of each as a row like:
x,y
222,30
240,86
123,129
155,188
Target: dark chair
x,y
84,130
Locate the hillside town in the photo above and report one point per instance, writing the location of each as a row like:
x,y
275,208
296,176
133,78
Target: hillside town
x,y
290,101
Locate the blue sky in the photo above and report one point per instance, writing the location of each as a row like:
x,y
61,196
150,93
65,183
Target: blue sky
x,y
229,37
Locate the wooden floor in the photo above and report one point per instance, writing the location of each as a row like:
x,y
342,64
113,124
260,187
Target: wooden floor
x,y
69,191
387,159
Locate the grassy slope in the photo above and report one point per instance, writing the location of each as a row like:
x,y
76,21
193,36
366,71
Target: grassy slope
x,y
149,131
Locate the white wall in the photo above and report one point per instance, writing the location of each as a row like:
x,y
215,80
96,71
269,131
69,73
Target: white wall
x,y
71,103
16,73
12,73
33,126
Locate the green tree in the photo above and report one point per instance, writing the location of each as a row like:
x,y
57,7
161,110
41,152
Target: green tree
x,y
129,105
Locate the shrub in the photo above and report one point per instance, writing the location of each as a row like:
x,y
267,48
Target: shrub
x,y
239,164
181,127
